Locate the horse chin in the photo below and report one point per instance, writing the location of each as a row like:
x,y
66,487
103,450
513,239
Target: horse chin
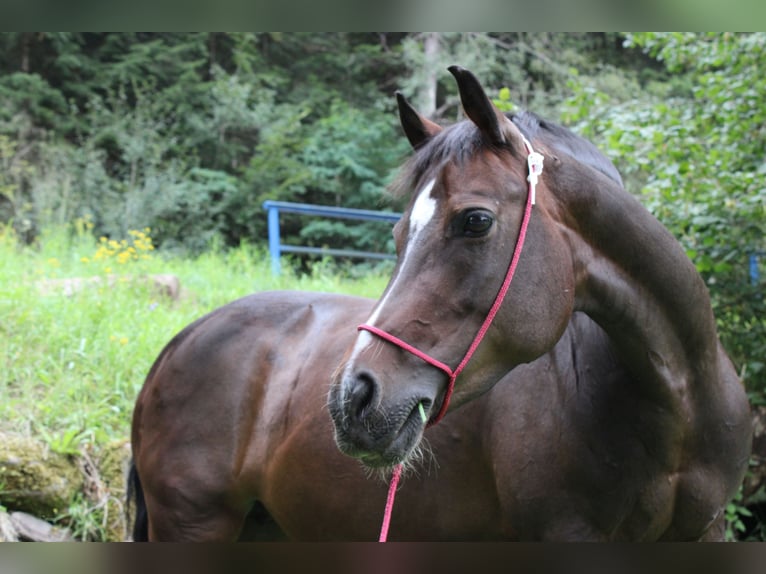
x,y
401,444
399,452
420,457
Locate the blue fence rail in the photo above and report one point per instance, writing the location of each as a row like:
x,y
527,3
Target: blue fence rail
x,y
276,247
755,275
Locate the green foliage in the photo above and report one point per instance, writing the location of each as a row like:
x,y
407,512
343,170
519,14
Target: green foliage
x,y
85,520
69,441
503,100
191,212
736,514
13,169
30,97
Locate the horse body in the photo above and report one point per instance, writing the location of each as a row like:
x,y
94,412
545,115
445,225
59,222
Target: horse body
x,y
561,448
598,406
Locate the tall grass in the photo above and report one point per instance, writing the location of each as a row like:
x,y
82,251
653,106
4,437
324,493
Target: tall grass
x,y
72,365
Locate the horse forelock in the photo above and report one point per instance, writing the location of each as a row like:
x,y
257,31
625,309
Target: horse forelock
x,y
461,142
458,143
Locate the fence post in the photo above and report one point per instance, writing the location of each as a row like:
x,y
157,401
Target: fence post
x,y
274,251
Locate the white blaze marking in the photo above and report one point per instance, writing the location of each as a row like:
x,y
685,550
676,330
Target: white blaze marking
x,y
422,212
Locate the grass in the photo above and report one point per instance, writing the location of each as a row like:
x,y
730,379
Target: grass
x,y
71,366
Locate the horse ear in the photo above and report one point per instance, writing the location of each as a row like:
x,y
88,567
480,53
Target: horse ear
x,y
417,128
480,109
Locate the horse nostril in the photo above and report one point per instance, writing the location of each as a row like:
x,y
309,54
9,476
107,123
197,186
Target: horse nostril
x,y
362,390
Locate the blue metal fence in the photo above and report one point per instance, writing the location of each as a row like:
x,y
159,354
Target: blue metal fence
x,y
276,247
755,274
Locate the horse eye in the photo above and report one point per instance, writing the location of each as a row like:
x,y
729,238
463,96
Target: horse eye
x,y
477,223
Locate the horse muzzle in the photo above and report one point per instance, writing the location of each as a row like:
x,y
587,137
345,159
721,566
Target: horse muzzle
x,y
377,430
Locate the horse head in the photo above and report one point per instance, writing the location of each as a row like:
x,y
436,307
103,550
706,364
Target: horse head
x,y
455,242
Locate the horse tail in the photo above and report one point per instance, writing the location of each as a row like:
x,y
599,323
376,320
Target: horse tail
x,y
135,491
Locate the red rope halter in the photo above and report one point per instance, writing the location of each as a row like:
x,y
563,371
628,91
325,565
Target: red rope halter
x,y
535,167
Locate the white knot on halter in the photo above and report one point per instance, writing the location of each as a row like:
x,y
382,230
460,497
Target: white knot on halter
x,y
535,167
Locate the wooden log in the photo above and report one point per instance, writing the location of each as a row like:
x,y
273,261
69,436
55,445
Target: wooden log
x,y
163,284
8,531
33,529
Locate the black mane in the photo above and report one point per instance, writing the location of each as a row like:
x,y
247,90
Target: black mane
x,y
564,140
463,140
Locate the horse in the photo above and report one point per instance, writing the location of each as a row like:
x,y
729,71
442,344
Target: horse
x,y
593,401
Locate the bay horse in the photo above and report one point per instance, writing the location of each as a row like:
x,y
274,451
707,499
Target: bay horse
x,y
598,403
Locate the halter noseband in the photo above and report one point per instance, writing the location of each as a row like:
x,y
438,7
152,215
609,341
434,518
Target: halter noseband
x,y
535,167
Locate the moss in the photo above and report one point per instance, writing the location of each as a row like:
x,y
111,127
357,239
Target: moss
x,y
89,488
35,479
112,463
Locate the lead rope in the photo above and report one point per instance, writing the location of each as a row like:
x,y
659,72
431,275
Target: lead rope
x,y
535,168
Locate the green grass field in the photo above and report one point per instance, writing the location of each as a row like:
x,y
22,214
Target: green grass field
x,y
72,365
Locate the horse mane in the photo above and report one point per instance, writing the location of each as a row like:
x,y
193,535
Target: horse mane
x,y
462,140
565,140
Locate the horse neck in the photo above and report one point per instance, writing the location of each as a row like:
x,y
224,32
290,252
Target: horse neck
x,y
634,279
